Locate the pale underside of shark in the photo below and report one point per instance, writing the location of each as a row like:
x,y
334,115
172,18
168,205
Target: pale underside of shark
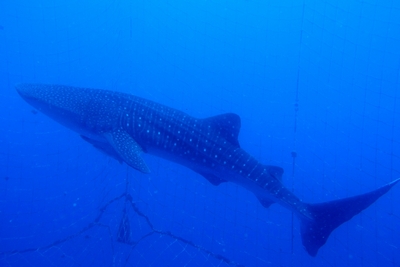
x,y
123,126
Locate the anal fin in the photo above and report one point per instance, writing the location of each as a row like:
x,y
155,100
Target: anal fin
x,y
214,180
266,202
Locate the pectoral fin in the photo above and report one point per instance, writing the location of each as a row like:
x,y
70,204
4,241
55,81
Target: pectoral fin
x,y
127,148
103,147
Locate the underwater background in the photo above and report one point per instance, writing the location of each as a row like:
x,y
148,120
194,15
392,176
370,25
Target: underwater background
x,y
317,87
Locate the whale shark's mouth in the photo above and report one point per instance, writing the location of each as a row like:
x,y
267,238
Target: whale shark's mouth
x,y
27,90
29,93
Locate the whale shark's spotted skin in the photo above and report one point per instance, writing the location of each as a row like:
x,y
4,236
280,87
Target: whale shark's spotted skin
x,y
124,126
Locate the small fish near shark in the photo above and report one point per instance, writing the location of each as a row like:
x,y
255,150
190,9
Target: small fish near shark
x,y
124,126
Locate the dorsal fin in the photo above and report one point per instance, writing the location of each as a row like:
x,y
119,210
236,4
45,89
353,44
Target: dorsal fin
x,y
228,125
275,171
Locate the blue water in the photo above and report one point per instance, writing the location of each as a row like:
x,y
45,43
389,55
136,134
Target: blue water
x,y
338,62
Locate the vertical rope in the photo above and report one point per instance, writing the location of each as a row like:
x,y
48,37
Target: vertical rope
x,y
296,110
294,153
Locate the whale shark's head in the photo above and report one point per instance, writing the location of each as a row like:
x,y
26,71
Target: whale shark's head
x,y
41,95
67,105
53,100
83,110
33,94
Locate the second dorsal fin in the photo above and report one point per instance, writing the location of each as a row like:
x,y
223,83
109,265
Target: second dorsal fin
x,y
275,171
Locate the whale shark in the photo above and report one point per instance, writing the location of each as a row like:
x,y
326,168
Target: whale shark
x,y
124,126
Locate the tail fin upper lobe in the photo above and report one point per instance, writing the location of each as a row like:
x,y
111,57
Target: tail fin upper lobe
x,y
328,216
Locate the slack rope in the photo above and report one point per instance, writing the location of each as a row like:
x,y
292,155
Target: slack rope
x,y
124,231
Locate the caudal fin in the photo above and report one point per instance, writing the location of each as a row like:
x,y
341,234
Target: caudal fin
x,y
328,216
